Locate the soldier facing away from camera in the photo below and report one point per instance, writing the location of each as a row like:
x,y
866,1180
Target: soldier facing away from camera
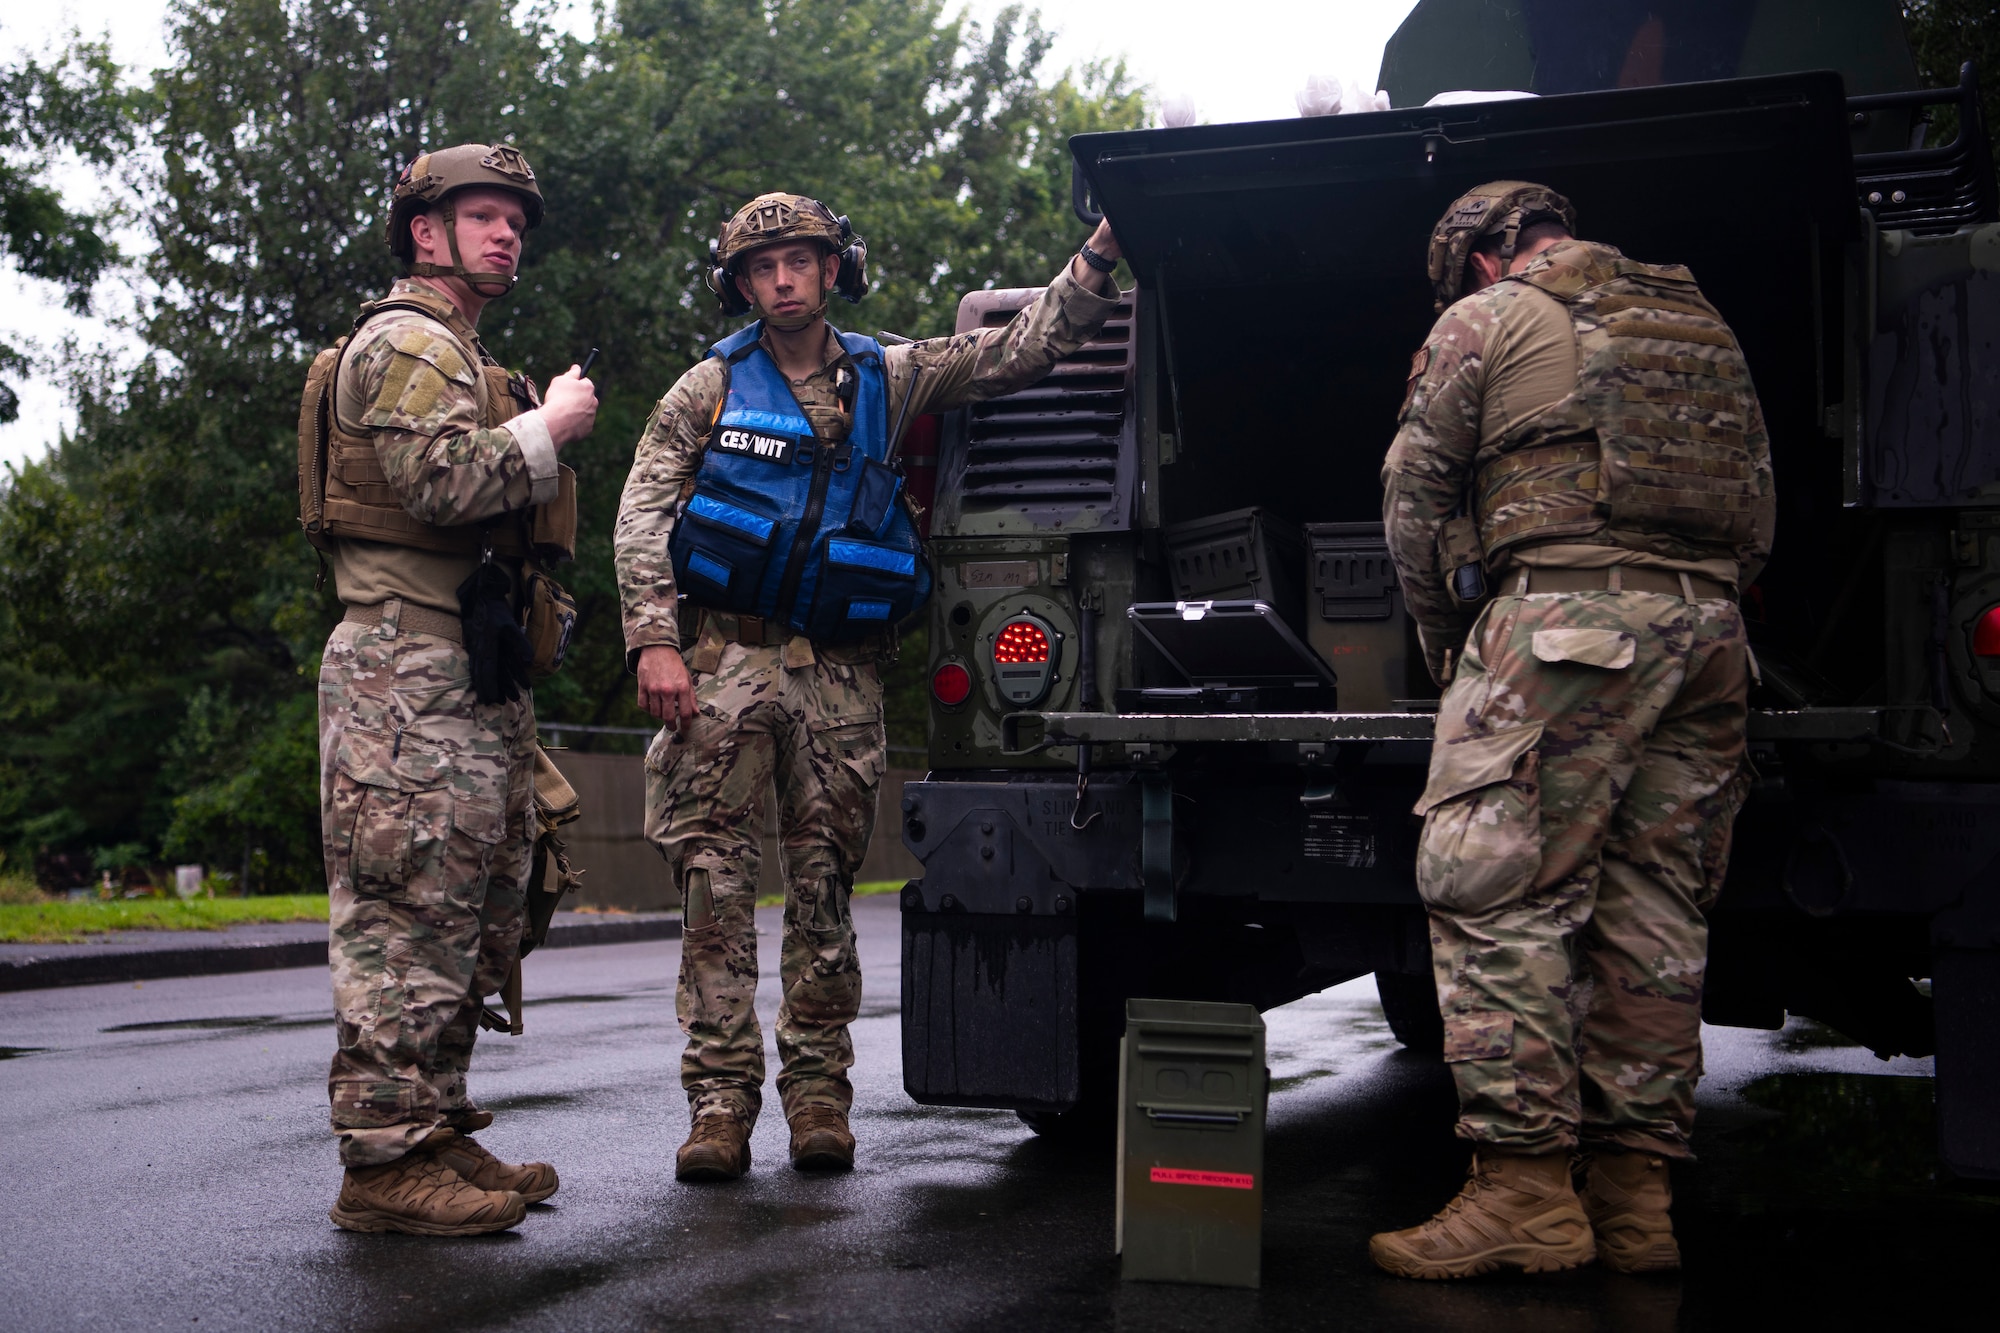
x,y
429,477
1580,440
765,491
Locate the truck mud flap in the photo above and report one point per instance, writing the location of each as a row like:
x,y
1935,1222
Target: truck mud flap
x,y
989,1008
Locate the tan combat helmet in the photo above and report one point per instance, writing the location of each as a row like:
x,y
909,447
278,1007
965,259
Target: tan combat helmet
x,y
771,218
431,180
1496,208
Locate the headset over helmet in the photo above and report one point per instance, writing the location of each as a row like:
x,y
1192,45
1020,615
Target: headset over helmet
x,y
431,181
773,218
1499,208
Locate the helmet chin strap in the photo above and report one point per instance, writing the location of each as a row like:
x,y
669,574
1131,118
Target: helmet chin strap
x,y
479,282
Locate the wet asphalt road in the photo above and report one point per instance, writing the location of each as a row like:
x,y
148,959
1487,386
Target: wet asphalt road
x,y
167,1165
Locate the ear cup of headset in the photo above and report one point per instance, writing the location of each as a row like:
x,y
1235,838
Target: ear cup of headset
x,y
723,283
852,279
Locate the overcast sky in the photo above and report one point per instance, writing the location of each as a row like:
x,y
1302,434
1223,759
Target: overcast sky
x,y
1239,61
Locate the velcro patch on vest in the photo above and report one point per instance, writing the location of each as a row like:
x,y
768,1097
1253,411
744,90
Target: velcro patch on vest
x,y
1680,365
754,444
1660,329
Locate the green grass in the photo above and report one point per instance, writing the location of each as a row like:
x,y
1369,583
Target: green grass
x,y
861,890
68,922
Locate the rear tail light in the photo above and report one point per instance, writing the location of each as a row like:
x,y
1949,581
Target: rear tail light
x,y
1023,641
1024,660
952,684
1986,634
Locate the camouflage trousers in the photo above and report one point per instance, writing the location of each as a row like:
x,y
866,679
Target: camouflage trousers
x,y
814,735
425,798
1589,766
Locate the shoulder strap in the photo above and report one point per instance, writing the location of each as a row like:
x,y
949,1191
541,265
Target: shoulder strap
x,y
739,344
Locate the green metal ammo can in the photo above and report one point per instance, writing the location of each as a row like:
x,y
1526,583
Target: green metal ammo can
x,y
1191,1090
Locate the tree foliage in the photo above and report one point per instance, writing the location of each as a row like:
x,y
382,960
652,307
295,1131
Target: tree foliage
x,y
159,624
73,103
1944,34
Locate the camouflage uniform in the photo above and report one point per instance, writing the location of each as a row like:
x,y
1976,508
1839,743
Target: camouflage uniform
x,y
1590,752
424,792
808,716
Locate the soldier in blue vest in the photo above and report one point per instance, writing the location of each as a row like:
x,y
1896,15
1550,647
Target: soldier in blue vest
x,y
766,490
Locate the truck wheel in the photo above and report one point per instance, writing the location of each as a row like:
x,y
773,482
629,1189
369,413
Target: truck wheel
x,y
1411,1006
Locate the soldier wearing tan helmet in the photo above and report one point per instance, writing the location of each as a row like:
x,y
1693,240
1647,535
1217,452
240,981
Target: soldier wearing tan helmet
x,y
1579,486
429,479
766,492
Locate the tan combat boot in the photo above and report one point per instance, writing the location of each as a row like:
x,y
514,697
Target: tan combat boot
x,y
1515,1211
533,1181
821,1140
1627,1197
717,1148
419,1195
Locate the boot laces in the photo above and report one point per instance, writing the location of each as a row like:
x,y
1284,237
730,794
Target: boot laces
x,y
719,1129
819,1117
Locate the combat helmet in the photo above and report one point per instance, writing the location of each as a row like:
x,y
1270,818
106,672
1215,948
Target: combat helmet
x,y
771,218
432,180
1495,208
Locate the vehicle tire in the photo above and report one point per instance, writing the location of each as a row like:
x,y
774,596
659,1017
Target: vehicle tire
x,y
1086,1123
1410,1004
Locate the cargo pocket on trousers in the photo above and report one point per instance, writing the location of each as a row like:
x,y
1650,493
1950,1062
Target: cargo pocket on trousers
x,y
1482,839
411,839
1478,1036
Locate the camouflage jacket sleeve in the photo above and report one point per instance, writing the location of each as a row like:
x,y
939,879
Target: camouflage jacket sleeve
x,y
1425,477
423,410
669,453
986,363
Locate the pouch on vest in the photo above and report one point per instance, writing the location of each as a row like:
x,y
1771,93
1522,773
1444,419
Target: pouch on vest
x,y
721,551
315,410
1462,560
550,623
867,586
553,532
873,499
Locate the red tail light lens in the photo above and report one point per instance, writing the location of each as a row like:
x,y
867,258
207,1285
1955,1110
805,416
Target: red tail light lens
x,y
1986,634
952,684
1023,641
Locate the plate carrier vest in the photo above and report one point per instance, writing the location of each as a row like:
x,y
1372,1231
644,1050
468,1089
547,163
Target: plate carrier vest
x,y
1647,452
343,491
790,527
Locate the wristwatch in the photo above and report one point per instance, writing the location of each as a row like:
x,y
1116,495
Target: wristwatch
x,y
1096,260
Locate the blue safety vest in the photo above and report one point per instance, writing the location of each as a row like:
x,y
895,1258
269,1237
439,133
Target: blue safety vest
x,y
790,527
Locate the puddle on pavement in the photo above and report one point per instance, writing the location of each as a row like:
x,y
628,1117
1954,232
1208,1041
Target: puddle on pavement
x,y
1299,1080
10,1052
528,1101
207,1024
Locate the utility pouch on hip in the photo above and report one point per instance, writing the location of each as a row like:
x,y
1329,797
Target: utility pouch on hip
x,y
1462,560
551,622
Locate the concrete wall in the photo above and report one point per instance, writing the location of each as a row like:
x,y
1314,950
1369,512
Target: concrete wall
x,y
624,870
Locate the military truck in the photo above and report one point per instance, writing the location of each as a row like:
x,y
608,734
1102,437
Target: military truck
x,y
1178,718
